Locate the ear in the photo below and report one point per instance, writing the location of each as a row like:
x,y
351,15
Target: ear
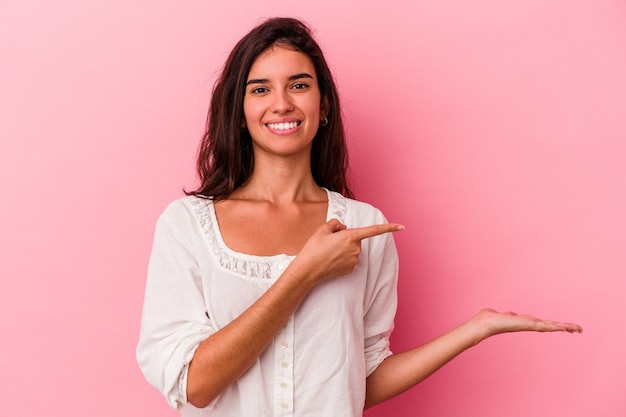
x,y
324,108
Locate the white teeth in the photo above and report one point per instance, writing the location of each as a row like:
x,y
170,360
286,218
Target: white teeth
x,y
282,126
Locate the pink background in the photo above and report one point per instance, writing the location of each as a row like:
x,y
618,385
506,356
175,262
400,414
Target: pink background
x,y
495,131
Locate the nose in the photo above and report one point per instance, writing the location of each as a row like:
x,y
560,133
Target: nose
x,y
282,102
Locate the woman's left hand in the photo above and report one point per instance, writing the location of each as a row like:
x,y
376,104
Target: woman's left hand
x,y
494,323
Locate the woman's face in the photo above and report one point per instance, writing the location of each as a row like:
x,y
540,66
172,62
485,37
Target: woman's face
x,y
282,103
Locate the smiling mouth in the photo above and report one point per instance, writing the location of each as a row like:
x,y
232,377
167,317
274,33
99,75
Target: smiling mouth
x,y
283,125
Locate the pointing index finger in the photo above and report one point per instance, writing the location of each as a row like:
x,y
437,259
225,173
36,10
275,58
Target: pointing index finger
x,y
377,229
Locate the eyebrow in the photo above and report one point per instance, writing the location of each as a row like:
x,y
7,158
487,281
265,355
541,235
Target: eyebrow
x,y
291,78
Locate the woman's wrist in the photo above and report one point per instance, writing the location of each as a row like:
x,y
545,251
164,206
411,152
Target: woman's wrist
x,y
481,327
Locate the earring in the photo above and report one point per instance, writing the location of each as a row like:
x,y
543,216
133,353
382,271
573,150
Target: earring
x,y
324,122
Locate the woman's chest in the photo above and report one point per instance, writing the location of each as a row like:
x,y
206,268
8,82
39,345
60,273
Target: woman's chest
x,y
264,230
227,294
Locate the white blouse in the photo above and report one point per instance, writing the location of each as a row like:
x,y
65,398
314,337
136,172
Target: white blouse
x,y
315,366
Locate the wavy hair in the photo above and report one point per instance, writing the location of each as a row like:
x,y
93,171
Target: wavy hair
x,y
225,158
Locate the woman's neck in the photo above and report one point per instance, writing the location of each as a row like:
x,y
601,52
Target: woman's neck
x,y
280,181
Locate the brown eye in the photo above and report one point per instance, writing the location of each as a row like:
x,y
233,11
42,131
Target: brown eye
x,y
299,86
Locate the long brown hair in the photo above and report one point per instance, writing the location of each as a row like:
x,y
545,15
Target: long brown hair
x,y
225,158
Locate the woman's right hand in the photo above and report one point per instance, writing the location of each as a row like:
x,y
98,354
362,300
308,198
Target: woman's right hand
x,y
333,250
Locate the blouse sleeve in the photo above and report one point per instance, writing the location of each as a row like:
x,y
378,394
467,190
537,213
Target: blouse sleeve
x,y
174,319
380,298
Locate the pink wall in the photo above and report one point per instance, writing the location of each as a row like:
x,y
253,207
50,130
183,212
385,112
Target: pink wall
x,y
494,130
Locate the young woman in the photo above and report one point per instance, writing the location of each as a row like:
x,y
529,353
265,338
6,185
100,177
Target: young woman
x,y
270,291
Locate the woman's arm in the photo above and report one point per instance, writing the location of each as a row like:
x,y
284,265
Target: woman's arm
x,y
401,371
224,356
